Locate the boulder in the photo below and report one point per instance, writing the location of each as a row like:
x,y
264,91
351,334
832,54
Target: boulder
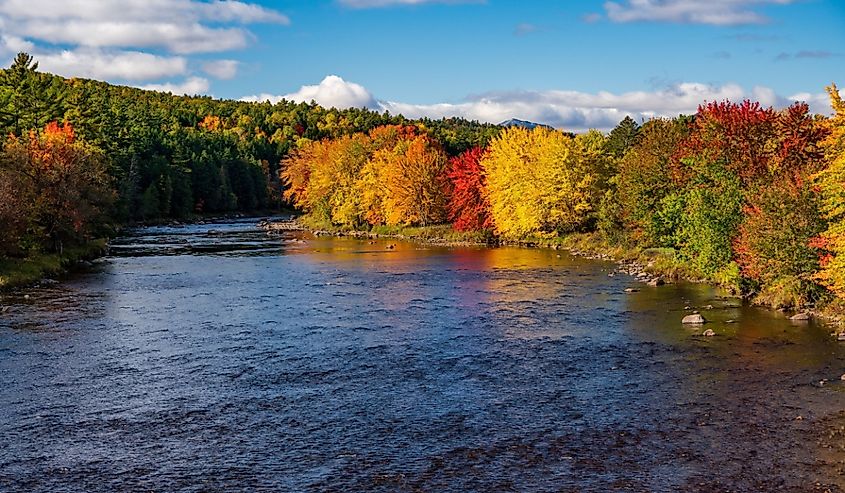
x,y
656,282
693,319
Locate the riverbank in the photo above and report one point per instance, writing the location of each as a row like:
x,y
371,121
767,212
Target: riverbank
x,y
16,273
650,266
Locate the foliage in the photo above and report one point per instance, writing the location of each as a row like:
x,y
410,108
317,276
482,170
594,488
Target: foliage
x,y
622,138
469,208
59,186
711,215
831,186
392,176
538,182
645,180
774,239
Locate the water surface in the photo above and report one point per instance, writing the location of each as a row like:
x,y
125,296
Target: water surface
x,y
214,358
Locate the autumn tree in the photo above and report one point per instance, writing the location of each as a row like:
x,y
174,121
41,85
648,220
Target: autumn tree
x,y
538,183
645,180
469,208
831,186
62,186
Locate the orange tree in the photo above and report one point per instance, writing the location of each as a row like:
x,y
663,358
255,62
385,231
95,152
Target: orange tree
x,y
59,186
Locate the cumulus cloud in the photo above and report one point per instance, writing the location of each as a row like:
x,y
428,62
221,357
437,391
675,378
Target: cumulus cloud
x,y
96,64
332,92
179,26
571,110
714,12
190,86
221,69
131,40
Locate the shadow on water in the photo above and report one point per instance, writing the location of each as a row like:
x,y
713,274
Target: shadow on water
x,y
212,358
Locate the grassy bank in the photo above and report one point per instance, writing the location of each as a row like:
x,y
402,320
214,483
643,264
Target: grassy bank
x,y
23,272
441,234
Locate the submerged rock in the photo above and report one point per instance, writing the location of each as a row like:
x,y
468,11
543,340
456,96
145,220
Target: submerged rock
x,y
708,333
694,319
800,317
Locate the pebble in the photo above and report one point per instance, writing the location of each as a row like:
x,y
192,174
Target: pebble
x,y
26,296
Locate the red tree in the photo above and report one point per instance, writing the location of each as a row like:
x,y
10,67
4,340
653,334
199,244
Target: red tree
x,y
468,207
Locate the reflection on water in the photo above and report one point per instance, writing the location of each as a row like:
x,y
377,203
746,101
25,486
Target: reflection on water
x,y
212,358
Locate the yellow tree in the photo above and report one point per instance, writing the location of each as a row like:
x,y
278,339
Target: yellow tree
x,y
539,182
831,184
321,178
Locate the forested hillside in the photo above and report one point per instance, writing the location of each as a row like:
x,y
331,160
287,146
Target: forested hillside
x,y
82,154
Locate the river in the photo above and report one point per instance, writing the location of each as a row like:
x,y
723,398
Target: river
x,y
215,358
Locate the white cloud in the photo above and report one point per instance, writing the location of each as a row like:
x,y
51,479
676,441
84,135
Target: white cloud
x,y
221,69
13,44
570,110
332,92
190,86
130,40
96,64
175,37
714,12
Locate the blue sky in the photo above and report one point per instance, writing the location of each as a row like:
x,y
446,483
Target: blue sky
x,y
571,63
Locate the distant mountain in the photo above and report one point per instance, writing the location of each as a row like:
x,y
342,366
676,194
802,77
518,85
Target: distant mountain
x,y
513,122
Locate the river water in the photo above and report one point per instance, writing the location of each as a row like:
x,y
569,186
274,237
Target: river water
x,y
215,358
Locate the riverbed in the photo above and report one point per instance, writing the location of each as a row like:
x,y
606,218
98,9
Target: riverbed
x,y
216,358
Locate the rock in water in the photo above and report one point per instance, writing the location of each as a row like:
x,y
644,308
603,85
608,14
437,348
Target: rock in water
x,y
693,319
708,333
800,317
840,336
656,282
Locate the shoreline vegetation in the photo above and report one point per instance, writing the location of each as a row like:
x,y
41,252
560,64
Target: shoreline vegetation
x,y
43,268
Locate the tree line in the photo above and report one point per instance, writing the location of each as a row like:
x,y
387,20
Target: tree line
x,y
81,155
745,195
